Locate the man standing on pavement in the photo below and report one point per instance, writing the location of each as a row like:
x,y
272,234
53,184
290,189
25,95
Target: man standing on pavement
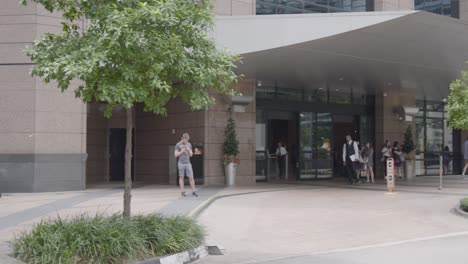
x,y
351,159
183,152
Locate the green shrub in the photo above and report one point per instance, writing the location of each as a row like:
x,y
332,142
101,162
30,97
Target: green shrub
x,y
113,239
464,204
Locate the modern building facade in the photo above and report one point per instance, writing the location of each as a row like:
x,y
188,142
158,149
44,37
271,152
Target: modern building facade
x,y
314,69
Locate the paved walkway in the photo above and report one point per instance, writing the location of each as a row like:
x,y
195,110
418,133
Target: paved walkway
x,y
266,221
21,211
450,249
328,222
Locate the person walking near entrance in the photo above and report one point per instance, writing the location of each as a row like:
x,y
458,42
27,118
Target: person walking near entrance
x,y
183,152
396,154
386,153
368,157
351,159
281,155
465,156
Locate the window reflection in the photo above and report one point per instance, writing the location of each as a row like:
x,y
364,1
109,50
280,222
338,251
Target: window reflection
x,y
441,7
335,93
432,136
266,7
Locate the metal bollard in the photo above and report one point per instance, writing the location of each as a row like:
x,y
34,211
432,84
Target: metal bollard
x,y
441,170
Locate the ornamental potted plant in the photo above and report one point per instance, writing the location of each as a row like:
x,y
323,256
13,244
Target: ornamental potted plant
x,y
407,148
231,150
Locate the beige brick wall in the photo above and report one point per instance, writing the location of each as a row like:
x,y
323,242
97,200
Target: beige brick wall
x,y
36,118
17,87
234,7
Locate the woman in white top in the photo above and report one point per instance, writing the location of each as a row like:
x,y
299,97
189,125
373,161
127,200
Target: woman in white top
x,y
386,153
367,153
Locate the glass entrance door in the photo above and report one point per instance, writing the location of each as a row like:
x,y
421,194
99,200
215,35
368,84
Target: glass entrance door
x,y
316,130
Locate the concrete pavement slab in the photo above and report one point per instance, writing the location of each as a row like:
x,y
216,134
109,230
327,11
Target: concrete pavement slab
x,y
268,225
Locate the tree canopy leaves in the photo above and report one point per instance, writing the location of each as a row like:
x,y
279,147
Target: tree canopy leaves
x,y
134,51
457,103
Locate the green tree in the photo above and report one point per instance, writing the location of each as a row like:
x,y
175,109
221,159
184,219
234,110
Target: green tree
x,y
134,51
408,143
457,103
231,144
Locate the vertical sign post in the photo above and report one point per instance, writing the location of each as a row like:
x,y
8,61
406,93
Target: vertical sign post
x,y
390,175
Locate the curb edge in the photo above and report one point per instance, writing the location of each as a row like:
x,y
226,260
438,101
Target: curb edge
x,y
188,256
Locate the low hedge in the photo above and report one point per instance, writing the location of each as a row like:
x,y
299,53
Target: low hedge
x,y
464,204
101,239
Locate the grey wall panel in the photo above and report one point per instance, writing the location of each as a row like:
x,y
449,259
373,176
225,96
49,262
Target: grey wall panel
x,y
16,177
42,172
55,172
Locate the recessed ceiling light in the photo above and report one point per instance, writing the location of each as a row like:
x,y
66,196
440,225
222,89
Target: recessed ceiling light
x,y
341,78
337,90
320,88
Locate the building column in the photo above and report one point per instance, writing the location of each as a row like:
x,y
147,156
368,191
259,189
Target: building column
x,y
463,11
390,121
216,120
42,131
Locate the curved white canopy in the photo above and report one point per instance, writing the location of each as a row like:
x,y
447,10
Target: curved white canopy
x,y
407,50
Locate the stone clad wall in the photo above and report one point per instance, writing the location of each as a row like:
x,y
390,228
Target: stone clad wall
x,y
216,121
234,7
42,131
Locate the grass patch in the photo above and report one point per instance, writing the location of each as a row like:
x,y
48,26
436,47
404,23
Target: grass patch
x,y
101,239
464,204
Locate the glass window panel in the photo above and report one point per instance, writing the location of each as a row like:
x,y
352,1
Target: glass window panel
x,y
364,128
336,3
434,106
448,136
340,94
295,4
420,105
359,94
265,9
290,94
324,127
315,8
433,6
324,131
420,135
316,95
434,133
265,92
307,170
358,5
418,4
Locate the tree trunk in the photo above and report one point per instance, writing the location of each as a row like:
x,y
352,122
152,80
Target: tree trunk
x,y
128,164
